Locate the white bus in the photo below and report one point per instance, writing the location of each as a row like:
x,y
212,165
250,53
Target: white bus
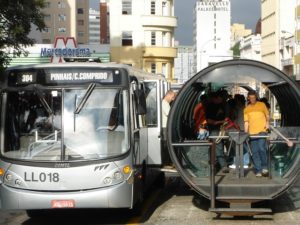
x,y
78,135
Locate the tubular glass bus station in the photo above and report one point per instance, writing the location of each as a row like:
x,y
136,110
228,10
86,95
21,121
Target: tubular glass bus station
x,y
196,159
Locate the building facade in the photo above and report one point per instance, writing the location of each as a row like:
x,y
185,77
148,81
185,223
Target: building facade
x,y
297,40
65,18
277,20
238,31
211,32
250,47
184,64
94,26
142,34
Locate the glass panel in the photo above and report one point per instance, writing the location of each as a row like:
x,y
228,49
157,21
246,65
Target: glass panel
x,y
151,101
98,130
33,125
126,7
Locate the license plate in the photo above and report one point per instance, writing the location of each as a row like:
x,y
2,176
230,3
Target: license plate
x,y
62,204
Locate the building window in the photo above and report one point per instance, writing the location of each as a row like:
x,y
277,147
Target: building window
x,y
126,7
61,29
80,10
80,33
80,22
153,38
165,39
47,4
164,9
61,5
46,30
164,70
47,17
153,68
127,38
152,9
61,17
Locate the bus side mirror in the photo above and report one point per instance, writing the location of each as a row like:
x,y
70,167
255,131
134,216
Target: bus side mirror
x,y
140,100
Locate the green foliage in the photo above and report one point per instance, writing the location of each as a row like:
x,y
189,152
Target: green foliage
x,y
236,50
16,18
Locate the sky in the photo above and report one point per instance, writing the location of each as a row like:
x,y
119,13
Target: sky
x,y
242,11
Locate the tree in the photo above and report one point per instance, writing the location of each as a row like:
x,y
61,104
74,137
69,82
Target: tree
x,y
16,18
236,50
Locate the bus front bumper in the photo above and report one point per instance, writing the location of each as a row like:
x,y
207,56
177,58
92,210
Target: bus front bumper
x,y
118,196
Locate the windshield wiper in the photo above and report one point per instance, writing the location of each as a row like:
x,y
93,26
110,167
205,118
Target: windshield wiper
x,y
86,96
43,101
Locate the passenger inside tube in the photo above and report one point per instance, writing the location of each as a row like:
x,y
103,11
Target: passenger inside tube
x,y
232,107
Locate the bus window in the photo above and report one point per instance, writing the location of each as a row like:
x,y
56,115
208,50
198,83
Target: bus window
x,y
98,131
30,117
100,122
151,103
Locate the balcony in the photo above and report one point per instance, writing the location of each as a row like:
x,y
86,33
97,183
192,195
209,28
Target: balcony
x,y
159,21
287,62
163,52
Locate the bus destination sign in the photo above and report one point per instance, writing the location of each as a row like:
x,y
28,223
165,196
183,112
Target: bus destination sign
x,y
70,77
55,76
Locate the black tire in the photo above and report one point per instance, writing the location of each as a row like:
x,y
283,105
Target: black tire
x,y
160,181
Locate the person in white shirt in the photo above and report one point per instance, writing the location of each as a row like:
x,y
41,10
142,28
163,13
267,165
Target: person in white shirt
x,y
169,97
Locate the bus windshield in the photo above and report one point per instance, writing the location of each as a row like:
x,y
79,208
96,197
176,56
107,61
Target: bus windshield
x,y
46,125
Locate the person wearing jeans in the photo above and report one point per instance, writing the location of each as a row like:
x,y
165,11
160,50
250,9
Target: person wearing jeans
x,y
256,117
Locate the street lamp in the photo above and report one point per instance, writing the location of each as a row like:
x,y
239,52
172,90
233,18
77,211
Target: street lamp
x,y
203,46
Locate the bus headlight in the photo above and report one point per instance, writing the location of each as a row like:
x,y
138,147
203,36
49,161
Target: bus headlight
x,y
9,177
18,182
117,175
107,180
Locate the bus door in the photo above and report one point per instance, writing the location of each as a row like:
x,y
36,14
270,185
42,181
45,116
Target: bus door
x,y
139,126
153,91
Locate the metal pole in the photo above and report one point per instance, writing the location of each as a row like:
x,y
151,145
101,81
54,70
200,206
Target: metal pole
x,y
212,175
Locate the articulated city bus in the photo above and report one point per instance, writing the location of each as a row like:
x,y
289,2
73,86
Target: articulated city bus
x,y
78,135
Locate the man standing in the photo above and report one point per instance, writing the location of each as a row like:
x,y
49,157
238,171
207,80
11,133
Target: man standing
x,y
216,114
169,97
256,117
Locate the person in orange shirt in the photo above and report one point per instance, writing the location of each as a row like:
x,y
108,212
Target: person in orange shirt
x,y
256,117
199,118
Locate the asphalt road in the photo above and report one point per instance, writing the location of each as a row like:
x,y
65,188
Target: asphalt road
x,y
175,204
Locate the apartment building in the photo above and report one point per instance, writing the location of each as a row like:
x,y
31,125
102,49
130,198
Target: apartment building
x,y
94,26
277,20
297,41
142,34
66,18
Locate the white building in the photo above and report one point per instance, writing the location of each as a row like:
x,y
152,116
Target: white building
x,y
184,64
277,22
287,52
211,32
142,34
94,26
250,47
